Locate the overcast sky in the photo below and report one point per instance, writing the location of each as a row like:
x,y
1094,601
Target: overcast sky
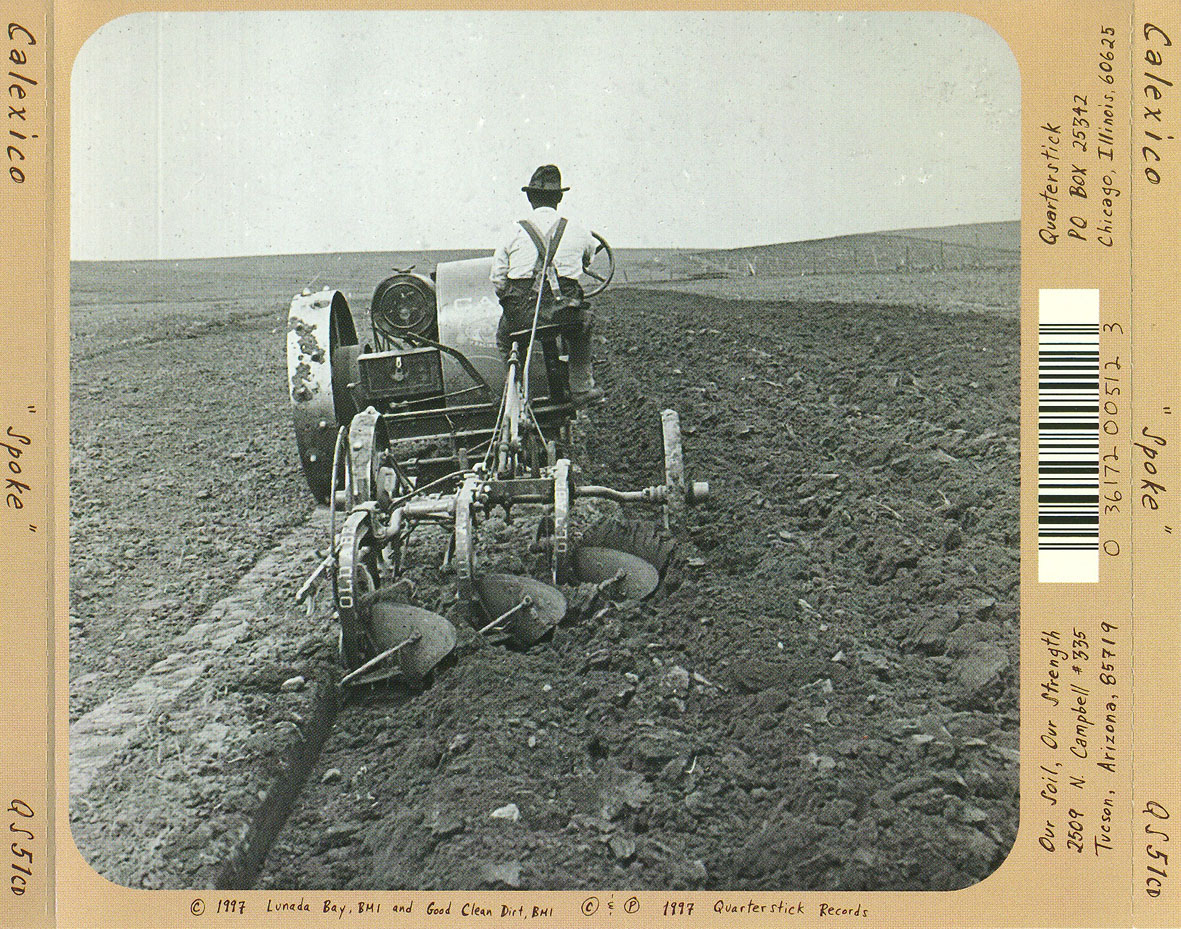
x,y
207,134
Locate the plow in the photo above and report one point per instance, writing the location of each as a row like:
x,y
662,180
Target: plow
x,y
432,424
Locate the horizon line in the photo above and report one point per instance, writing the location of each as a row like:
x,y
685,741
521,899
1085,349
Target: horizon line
x,y
622,248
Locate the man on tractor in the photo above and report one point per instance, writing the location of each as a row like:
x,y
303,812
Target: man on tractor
x,y
521,275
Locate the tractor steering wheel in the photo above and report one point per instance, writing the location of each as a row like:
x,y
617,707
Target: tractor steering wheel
x,y
600,270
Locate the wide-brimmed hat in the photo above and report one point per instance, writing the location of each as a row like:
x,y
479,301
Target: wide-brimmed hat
x,y
546,178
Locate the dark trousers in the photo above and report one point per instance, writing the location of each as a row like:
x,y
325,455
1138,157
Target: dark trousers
x,y
573,314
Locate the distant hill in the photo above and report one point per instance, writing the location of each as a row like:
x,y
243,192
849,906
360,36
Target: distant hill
x,y
981,245
1005,236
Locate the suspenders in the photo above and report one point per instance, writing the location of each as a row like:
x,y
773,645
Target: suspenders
x,y
543,268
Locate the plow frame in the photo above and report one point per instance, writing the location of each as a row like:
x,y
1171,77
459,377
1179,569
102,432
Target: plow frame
x,y
390,440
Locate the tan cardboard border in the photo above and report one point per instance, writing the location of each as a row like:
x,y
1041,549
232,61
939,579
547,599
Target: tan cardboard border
x,y
1156,203
28,422
1056,47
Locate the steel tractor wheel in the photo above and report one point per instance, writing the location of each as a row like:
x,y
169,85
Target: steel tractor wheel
x,y
356,576
322,350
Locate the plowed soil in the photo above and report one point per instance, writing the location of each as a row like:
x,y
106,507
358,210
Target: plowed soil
x,y
822,695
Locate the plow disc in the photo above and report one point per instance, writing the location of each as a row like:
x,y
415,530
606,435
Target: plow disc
x,y
610,545
409,642
594,565
501,594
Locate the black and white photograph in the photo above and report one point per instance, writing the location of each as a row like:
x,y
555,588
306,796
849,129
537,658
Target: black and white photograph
x,y
544,450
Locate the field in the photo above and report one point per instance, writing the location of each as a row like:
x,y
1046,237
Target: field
x,y
823,696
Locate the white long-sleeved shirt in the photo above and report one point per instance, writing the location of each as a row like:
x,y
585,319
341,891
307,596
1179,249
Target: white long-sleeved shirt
x,y
516,257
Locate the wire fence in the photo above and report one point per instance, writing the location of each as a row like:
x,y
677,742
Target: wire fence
x,y
882,253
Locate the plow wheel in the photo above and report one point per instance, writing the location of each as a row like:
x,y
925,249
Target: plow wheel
x,y
367,439
465,548
674,467
356,576
681,491
560,556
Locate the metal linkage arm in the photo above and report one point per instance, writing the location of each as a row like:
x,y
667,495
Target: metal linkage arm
x,y
694,493
378,659
439,509
653,495
541,490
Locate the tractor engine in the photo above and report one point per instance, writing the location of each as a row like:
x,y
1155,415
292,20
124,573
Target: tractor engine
x,y
403,303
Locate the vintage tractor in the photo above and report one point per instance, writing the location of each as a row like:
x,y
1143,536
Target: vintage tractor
x,y
433,425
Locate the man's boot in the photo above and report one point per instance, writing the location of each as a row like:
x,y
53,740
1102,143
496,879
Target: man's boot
x,y
583,391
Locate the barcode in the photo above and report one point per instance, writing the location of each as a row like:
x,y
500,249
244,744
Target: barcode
x,y
1068,436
